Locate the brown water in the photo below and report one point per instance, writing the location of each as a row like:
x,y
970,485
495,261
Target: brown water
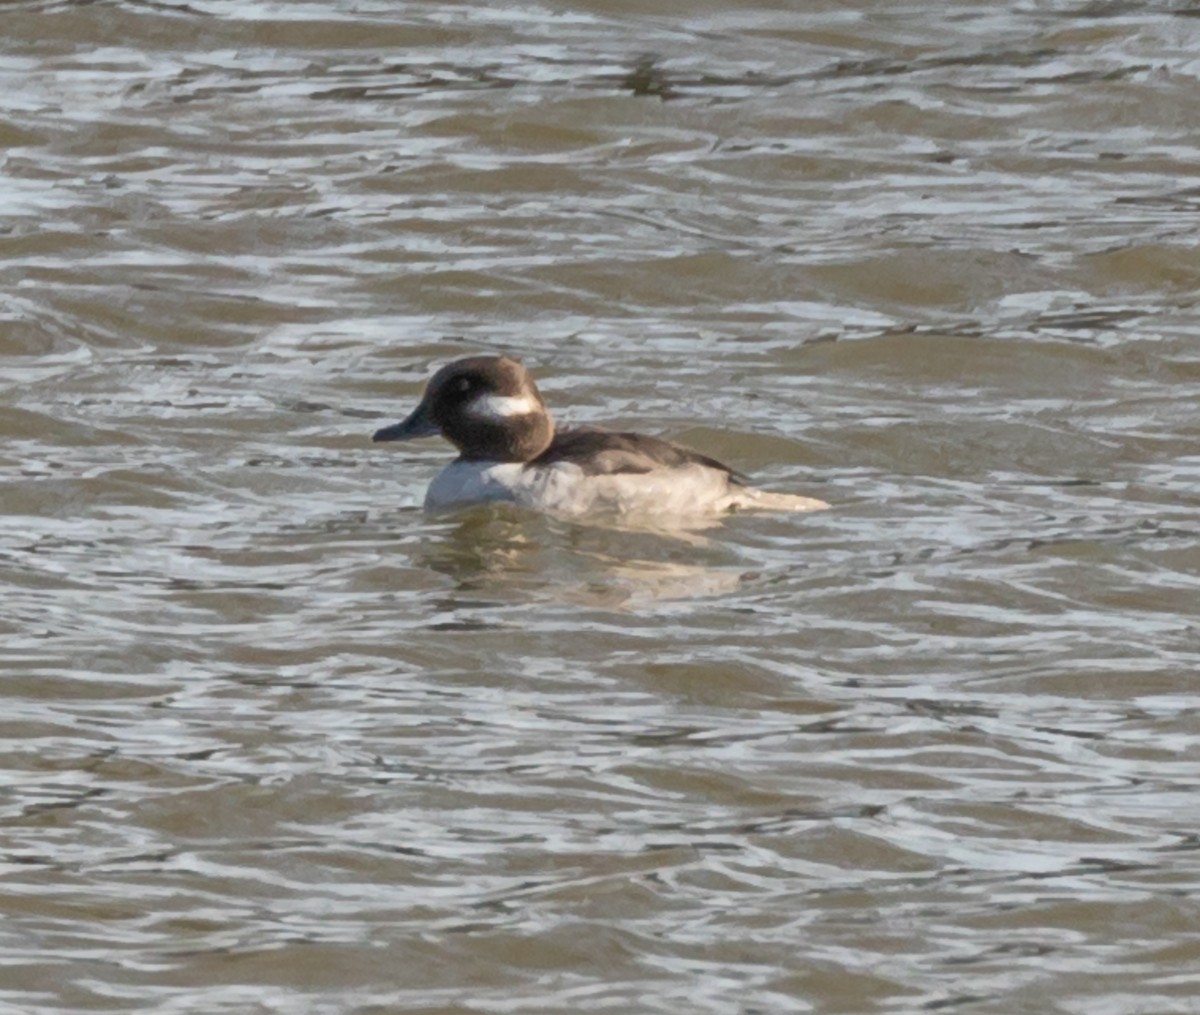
x,y
275,742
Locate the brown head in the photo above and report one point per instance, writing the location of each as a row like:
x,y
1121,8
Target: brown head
x,y
486,406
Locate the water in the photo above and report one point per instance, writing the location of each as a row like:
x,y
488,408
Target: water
x,y
275,742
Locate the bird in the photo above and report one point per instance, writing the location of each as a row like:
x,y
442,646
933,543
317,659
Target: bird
x,y
509,450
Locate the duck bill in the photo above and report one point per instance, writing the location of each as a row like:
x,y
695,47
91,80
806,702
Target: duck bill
x,y
419,424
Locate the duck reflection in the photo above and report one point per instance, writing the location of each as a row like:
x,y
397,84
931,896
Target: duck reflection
x,y
498,550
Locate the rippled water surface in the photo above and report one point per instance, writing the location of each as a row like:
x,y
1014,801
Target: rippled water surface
x,y
273,741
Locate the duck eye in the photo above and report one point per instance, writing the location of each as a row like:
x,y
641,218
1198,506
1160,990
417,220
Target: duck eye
x,y
463,385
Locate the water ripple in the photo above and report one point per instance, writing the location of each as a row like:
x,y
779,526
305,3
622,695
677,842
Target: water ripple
x,y
274,741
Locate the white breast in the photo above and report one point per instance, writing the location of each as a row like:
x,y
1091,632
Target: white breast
x,y
565,489
559,488
473,483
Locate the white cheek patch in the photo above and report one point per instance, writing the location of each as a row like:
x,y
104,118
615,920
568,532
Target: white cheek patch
x,y
498,408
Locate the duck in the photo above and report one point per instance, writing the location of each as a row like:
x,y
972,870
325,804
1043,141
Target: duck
x,y
509,450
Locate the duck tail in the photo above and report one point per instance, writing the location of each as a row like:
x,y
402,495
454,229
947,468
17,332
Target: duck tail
x,y
749,499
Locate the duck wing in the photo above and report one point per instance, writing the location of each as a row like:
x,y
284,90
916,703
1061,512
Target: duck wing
x,y
606,452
